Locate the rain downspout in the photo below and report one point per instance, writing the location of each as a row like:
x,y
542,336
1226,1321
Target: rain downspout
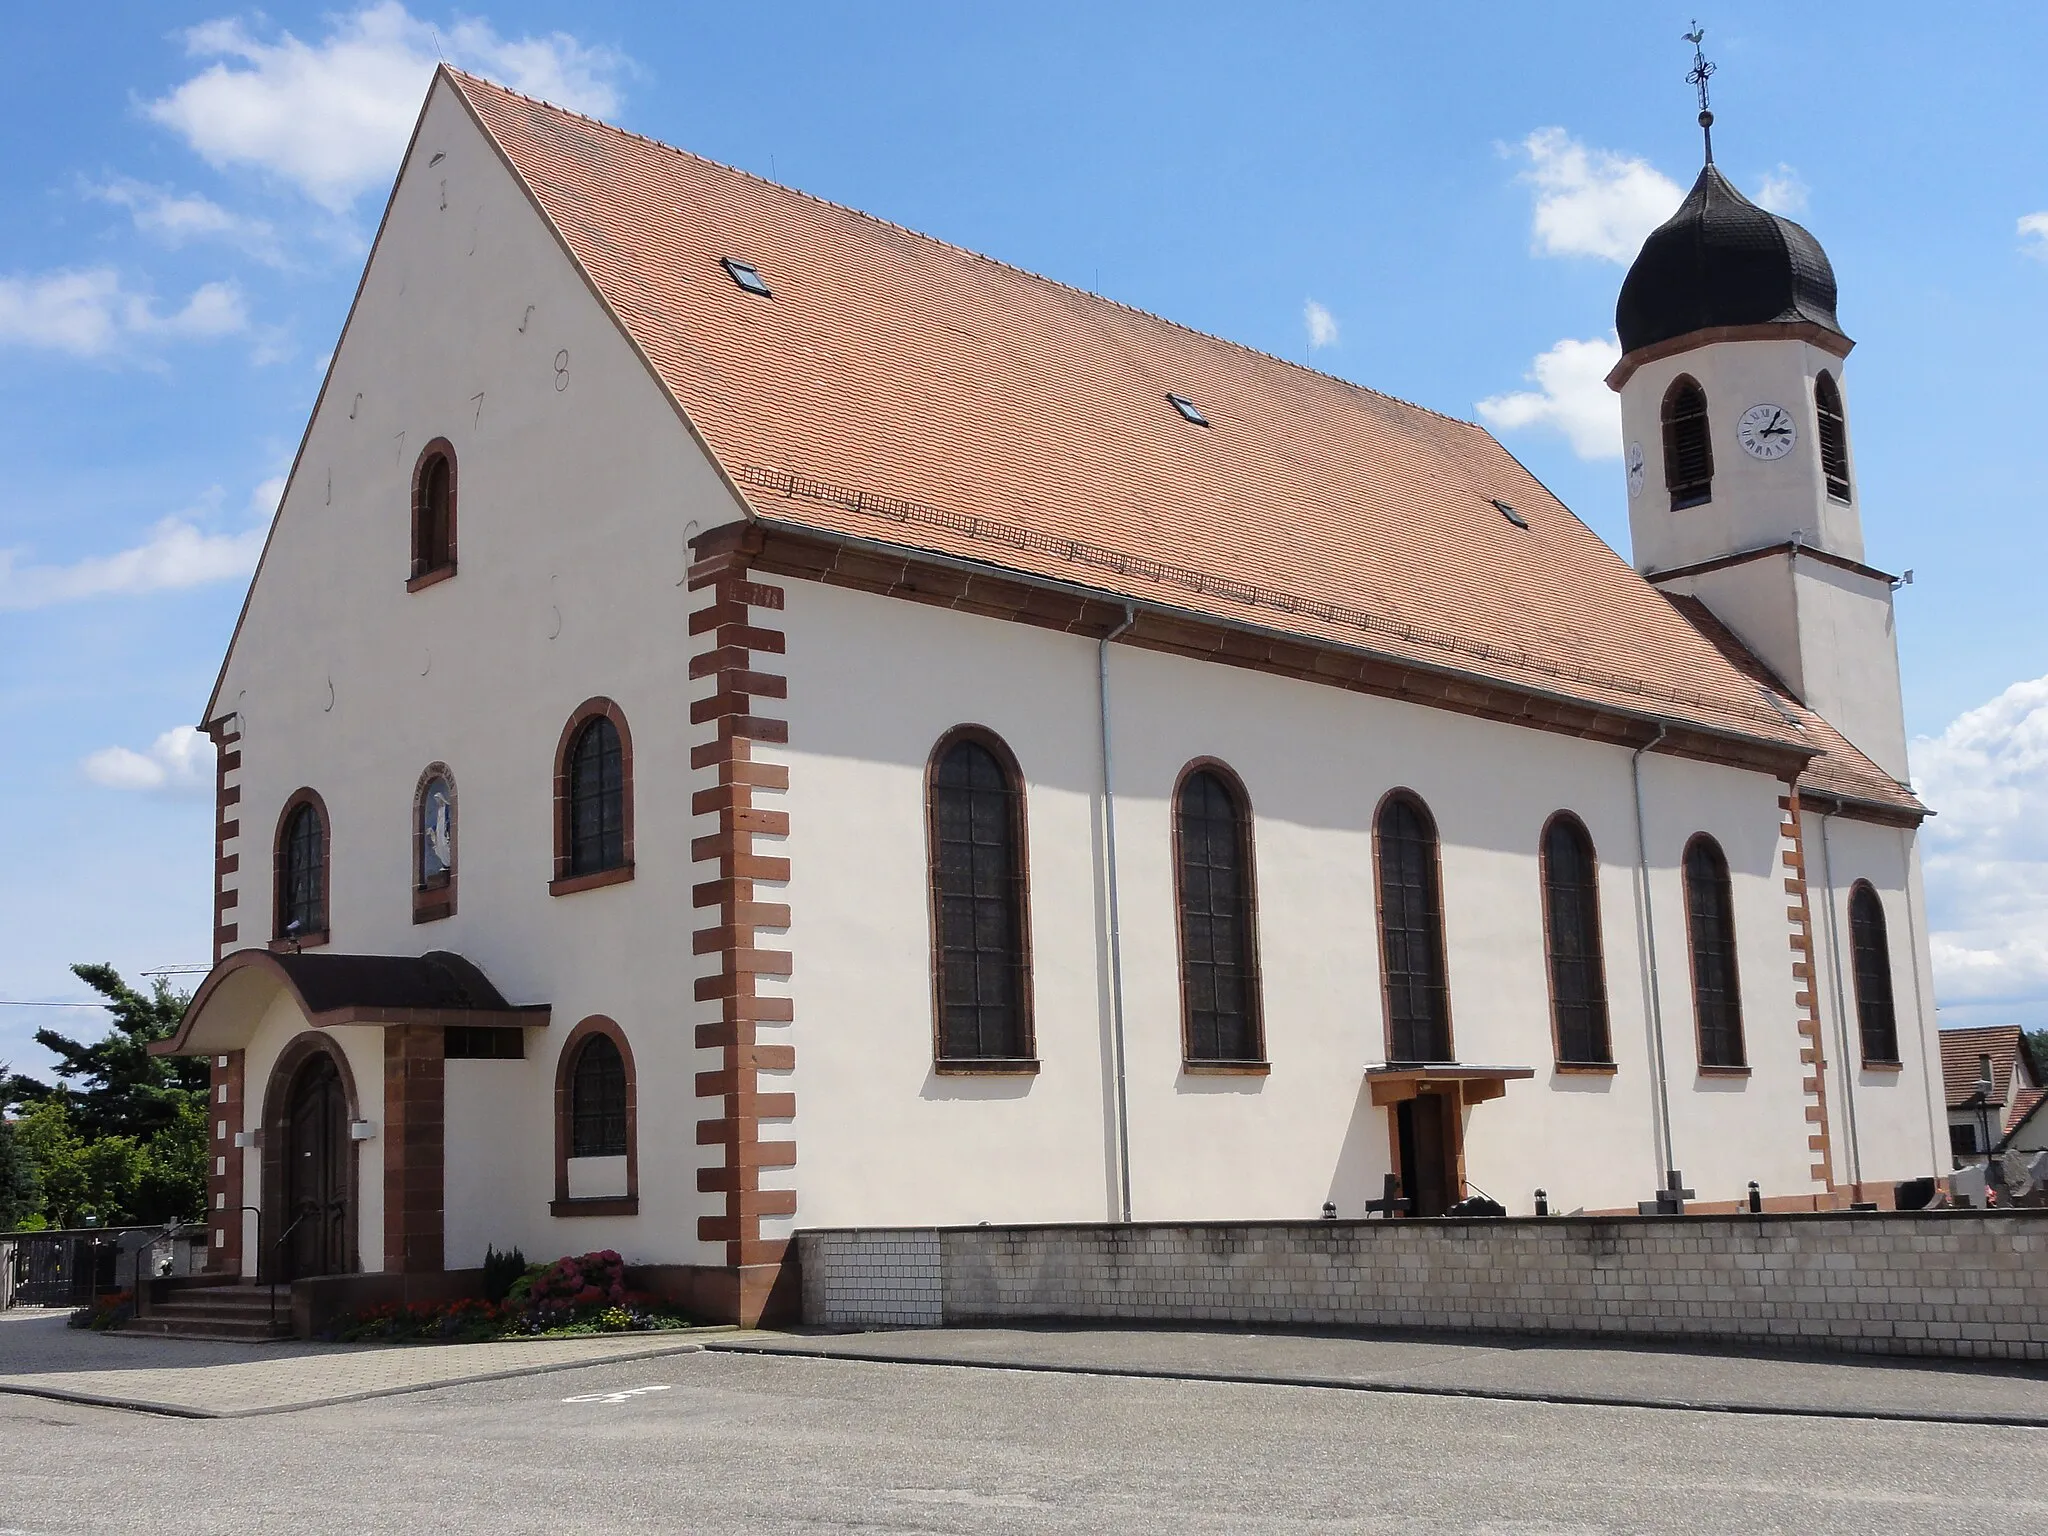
x,y
1656,1010
1827,879
1116,944
1934,1144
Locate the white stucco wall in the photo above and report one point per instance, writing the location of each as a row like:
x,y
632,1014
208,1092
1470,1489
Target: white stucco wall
x,y
1315,762
574,507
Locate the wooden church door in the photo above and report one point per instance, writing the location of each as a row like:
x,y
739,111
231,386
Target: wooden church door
x,y
316,1178
1427,1124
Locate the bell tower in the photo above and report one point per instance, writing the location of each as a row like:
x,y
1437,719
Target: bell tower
x,y
1741,484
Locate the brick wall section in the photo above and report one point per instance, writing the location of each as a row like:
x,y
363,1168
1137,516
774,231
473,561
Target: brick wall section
x,y
888,1279
227,834
1955,1284
736,649
224,1197
1813,1056
414,1139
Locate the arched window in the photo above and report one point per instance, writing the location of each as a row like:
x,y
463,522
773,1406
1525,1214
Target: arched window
x,y
433,514
1571,928
301,872
597,1101
1688,453
1870,954
981,965
1834,435
1412,933
1710,923
1218,954
596,1135
433,845
593,799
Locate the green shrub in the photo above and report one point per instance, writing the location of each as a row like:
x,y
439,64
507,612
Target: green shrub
x,y
502,1271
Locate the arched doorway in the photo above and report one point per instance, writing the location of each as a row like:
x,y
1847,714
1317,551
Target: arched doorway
x,y
309,1164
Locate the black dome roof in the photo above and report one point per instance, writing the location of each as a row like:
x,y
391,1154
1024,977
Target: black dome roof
x,y
1721,260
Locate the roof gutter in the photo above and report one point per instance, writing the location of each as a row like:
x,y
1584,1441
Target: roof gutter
x,y
1663,724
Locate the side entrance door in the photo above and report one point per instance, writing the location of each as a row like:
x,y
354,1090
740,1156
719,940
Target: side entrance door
x,y
1428,1128
316,1177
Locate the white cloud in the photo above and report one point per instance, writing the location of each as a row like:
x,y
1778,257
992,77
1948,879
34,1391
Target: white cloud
x,y
332,117
1322,325
1571,397
180,760
92,314
2034,227
176,554
1783,190
1986,850
179,219
1593,202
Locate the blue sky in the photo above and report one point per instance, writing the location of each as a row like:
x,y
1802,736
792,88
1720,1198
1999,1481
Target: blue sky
x,y
1437,203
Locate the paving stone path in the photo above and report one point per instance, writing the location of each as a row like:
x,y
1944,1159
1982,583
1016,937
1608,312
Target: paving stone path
x,y
220,1379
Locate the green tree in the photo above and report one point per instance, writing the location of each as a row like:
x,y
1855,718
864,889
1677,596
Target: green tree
x,y
19,1195
52,1149
112,1086
122,1135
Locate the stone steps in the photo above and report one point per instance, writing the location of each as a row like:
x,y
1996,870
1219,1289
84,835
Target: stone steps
x,y
218,1312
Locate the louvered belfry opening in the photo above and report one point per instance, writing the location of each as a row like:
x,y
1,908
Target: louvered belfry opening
x,y
1218,965
1834,435
1412,935
1571,925
597,1100
1871,960
596,808
1716,984
977,871
1688,451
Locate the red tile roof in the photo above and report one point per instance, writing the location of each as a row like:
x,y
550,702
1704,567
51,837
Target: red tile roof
x,y
901,390
2004,1043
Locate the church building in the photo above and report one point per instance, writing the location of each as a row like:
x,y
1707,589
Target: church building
x,y
751,718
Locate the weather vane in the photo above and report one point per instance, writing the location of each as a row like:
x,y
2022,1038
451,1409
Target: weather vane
x,y
1702,71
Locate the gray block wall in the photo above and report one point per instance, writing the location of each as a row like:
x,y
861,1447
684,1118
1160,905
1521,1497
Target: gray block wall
x,y
1962,1284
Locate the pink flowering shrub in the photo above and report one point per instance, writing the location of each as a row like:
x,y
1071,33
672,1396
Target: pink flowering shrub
x,y
587,1280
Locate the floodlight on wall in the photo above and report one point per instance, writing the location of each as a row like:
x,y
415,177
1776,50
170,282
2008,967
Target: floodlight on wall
x,y
361,1130
247,1139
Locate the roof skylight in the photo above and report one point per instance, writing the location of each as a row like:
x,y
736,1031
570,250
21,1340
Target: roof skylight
x,y
1188,410
1510,513
746,276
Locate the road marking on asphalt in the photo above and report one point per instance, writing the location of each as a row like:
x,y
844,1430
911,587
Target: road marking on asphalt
x,y
613,1397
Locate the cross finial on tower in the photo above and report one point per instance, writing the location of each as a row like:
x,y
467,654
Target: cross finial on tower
x,y
1702,71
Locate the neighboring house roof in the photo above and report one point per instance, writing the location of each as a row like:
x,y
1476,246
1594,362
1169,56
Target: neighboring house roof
x,y
2007,1046
909,394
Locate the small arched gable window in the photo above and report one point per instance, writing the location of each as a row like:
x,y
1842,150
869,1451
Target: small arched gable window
x,y
1218,944
1412,932
597,1168
1834,435
1571,929
1871,958
1688,452
301,871
1710,925
433,514
433,845
593,799
981,961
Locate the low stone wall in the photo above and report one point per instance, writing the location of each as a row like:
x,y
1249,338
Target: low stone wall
x,y
1960,1284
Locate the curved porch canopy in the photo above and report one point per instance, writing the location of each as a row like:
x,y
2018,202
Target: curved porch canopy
x,y
437,989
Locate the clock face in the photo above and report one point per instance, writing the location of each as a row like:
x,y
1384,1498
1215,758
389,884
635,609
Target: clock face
x,y
1766,431
1635,469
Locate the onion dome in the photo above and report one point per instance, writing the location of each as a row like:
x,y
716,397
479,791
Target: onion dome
x,y
1721,260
